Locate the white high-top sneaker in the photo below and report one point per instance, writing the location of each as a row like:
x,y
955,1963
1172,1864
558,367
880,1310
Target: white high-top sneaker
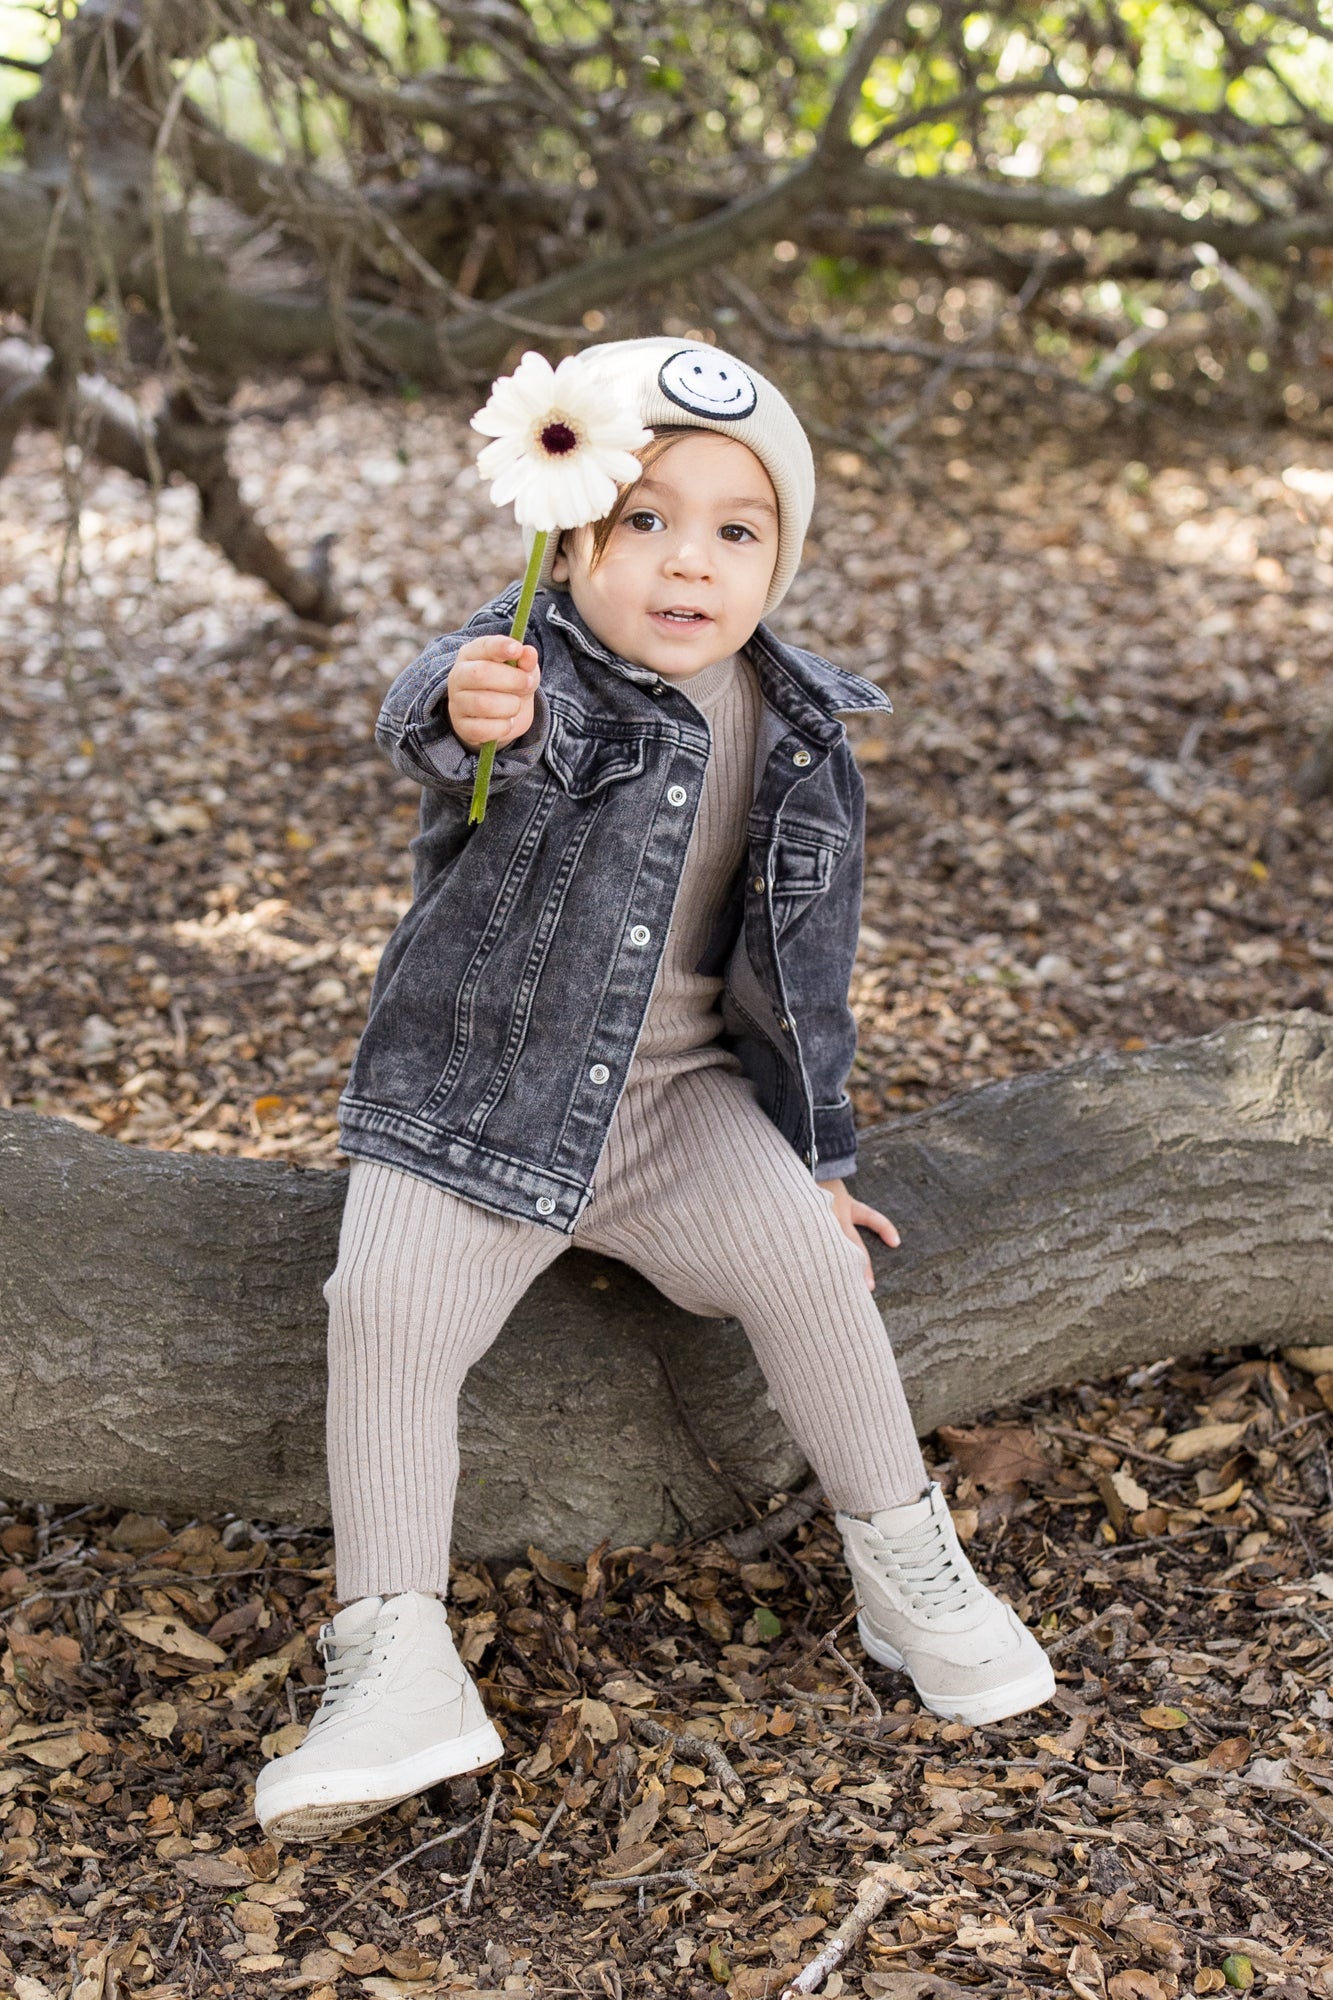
x,y
399,1712
924,1608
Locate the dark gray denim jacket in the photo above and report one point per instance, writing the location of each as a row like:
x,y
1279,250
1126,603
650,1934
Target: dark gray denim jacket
x,y
509,1001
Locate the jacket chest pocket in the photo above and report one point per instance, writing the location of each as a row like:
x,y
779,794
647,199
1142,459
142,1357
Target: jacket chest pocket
x,y
584,762
802,867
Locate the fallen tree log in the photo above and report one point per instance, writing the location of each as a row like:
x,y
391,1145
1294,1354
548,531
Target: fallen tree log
x,y
161,1323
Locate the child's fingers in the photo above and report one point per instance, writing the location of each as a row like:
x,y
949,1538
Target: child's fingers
x,y
499,651
866,1217
491,677
488,704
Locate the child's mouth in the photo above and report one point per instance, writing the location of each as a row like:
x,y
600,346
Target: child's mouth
x,y
680,618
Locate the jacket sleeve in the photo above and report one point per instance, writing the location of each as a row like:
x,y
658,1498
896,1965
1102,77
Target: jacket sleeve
x,y
413,728
819,980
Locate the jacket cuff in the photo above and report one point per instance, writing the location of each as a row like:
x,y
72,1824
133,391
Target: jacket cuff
x,y
457,765
835,1140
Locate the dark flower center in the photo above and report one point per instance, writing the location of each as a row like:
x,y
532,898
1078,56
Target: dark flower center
x,y
557,439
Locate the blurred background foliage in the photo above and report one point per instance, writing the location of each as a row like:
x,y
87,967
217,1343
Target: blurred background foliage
x,y
1127,202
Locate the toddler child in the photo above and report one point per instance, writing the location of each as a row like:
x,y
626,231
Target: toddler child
x,y
616,1015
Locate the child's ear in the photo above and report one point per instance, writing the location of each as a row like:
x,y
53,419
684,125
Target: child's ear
x,y
560,565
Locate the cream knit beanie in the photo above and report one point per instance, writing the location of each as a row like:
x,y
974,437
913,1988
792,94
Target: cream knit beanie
x,y
669,381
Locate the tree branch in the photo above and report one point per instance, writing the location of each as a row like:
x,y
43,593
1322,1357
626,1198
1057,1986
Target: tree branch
x,y
958,199
182,441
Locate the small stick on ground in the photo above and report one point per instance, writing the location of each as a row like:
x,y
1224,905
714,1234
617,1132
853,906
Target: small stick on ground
x,y
684,1875
454,1833
864,1688
877,1887
465,1900
699,1748
549,1828
772,1529
1294,1833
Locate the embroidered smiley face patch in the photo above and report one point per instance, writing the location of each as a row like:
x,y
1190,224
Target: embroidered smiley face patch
x,y
707,384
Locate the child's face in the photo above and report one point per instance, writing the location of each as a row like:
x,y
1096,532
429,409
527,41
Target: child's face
x,y
683,579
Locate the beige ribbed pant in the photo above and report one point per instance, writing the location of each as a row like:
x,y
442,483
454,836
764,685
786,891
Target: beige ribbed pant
x,y
698,1191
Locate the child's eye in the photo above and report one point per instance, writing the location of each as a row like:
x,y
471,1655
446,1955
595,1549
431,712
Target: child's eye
x,y
737,531
641,520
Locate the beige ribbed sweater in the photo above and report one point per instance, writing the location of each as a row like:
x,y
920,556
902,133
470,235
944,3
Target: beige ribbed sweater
x,y
696,1188
684,1016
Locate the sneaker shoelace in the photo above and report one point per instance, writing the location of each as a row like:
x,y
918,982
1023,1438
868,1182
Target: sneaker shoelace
x,y
927,1569
347,1663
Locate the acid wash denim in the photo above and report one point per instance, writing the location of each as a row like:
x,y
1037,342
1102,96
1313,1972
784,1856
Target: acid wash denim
x,y
509,1001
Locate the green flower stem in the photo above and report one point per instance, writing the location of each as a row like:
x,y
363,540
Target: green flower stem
x,y
482,783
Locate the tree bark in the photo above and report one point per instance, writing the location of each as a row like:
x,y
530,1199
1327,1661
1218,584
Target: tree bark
x,y
161,1322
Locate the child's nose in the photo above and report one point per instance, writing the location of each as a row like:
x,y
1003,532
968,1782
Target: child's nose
x,y
689,558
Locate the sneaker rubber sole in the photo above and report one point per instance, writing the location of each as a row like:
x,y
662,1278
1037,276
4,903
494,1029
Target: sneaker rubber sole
x,y
1014,1697
313,1805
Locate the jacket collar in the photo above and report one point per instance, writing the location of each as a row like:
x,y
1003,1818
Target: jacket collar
x,y
806,689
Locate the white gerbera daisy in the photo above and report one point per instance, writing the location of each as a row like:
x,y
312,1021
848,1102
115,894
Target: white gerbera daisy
x,y
561,449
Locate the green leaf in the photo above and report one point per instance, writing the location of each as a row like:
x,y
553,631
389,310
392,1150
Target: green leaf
x,y
770,1625
1237,1970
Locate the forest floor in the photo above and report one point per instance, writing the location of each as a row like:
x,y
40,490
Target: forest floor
x,y
1163,1827
1108,658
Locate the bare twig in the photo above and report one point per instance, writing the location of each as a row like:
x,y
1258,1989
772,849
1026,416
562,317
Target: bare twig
x,y
1157,1541
878,1887
684,1875
440,1840
1293,1833
483,1840
771,1529
862,1686
1086,1438
1310,1417
560,1809
697,1748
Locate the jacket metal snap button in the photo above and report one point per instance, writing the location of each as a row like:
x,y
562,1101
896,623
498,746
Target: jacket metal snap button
x,y
758,885
783,1025
801,757
599,1072
677,795
640,934
545,1206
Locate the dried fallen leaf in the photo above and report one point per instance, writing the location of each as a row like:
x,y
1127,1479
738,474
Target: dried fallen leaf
x,y
321,1964
1164,1718
211,1871
629,1693
1085,1974
57,1651
53,1753
1202,1441
281,1742
597,1719
1230,1754
172,1635
158,1719
1314,1360
999,1457
28,1987
1134,1983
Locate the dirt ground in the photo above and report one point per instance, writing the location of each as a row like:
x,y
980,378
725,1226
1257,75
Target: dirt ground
x,y
1108,659
1164,1827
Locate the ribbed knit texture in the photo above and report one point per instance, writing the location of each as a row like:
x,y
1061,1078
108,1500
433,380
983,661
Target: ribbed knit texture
x,y
684,1011
696,1188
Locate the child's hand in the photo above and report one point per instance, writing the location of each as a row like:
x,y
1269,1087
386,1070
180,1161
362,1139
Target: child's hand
x,y
854,1215
492,685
